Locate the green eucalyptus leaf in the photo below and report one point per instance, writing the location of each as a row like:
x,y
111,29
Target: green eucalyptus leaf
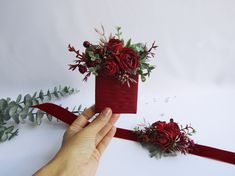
x,y
3,104
65,89
138,47
6,114
93,70
61,93
93,56
2,128
1,117
3,137
41,95
72,90
143,79
18,98
21,119
13,110
1,132
31,117
49,117
16,118
34,95
56,94
49,95
9,129
23,114
8,99
39,116
11,104
28,100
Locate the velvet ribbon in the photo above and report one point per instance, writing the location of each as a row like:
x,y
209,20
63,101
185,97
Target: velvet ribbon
x,y
199,150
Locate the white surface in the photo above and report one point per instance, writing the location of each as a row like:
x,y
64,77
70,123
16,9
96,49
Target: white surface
x,y
195,61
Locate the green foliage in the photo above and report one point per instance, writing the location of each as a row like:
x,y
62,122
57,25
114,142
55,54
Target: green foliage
x,y
128,44
20,109
156,151
144,68
119,33
93,70
93,56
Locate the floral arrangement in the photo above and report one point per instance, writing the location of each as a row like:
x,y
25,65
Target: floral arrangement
x,y
162,138
112,57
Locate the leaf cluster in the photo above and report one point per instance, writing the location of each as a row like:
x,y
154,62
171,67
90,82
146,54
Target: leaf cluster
x,y
144,67
20,109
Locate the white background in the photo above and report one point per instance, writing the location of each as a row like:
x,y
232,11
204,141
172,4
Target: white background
x,y
194,81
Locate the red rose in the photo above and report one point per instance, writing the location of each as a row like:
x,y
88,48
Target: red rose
x,y
128,59
109,68
115,45
173,129
82,69
159,125
163,139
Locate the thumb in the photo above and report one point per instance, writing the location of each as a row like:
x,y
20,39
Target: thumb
x,y
100,121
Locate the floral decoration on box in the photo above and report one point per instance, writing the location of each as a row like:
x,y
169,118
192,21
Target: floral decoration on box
x,y
113,57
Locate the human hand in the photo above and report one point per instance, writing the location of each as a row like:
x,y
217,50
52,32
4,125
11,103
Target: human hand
x,y
82,145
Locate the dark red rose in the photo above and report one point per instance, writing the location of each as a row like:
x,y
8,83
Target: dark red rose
x,y
173,129
128,59
160,125
163,139
115,45
109,68
82,69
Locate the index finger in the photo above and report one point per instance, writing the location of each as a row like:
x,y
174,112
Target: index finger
x,y
82,119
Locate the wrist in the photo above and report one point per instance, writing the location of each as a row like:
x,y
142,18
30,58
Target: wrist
x,y
53,168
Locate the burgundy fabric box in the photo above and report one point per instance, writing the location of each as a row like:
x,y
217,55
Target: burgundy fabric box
x,y
110,92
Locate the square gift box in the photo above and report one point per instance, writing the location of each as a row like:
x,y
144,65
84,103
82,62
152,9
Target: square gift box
x,y
109,92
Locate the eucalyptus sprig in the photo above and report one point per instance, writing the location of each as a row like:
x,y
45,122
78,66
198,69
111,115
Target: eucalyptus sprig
x,y
20,109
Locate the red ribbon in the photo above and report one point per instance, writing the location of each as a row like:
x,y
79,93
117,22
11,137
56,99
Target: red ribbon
x,y
199,150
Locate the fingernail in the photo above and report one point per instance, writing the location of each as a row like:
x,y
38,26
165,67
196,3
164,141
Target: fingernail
x,y
106,112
